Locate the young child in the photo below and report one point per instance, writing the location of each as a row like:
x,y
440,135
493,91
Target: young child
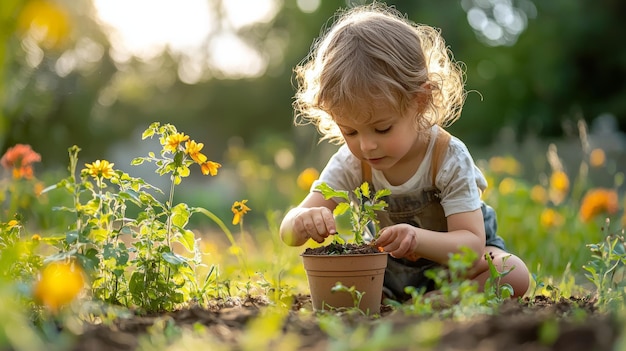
x,y
386,87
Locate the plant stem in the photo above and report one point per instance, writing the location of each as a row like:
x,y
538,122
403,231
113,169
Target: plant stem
x,y
169,211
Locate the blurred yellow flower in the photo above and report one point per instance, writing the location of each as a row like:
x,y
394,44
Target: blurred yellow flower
x,y
35,237
559,187
597,158
559,181
239,209
45,21
539,194
59,284
100,169
210,167
550,218
13,223
504,165
173,141
306,178
193,150
507,186
598,201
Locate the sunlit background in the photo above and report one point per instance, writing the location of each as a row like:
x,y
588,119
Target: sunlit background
x,y
96,73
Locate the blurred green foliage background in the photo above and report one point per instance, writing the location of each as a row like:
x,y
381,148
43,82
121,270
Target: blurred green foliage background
x,y
533,64
90,73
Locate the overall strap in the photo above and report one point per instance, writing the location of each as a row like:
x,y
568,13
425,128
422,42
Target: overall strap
x,y
440,148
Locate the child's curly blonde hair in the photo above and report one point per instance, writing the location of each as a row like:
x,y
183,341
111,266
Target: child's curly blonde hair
x,y
373,55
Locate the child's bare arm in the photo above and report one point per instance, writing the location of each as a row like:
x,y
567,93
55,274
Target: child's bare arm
x,y
464,229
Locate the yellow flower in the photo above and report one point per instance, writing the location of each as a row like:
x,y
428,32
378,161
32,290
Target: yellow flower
x,y
173,141
13,223
59,284
507,186
506,165
46,22
550,218
100,168
239,209
539,194
307,177
35,237
597,158
559,181
193,150
597,201
210,167
559,187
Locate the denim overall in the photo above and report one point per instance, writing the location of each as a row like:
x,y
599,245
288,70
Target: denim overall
x,y
422,208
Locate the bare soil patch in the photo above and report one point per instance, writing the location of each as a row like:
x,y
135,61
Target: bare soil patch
x,y
539,324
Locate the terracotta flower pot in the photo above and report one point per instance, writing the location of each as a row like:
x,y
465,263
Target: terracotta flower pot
x,y
365,272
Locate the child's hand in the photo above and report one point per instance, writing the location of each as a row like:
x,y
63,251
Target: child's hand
x,y
400,241
316,223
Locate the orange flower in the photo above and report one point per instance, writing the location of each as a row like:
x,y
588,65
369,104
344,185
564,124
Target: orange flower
x,y
173,141
597,158
193,150
59,285
210,167
239,209
539,194
597,201
307,177
19,159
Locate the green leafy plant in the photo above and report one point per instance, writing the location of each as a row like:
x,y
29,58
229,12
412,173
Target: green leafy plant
x,y
495,292
607,257
362,211
132,260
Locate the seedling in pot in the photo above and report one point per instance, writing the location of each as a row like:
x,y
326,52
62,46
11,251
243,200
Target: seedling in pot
x,y
361,212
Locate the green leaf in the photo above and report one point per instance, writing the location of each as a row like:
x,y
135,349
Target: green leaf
x,y
341,208
365,189
329,192
71,237
173,258
137,161
180,215
382,193
188,239
148,132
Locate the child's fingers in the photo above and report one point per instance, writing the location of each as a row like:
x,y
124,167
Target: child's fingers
x,y
329,221
383,237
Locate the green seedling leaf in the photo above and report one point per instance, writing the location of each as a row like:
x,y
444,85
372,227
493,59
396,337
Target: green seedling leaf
x,y
343,222
329,192
341,209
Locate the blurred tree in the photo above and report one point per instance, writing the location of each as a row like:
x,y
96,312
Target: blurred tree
x,y
62,82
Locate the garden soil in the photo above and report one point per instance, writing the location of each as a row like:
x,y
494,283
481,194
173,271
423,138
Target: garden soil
x,y
526,324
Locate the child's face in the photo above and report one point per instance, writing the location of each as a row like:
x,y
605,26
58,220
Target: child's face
x,y
389,142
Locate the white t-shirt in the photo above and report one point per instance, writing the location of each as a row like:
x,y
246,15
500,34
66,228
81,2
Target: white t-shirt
x,y
459,180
